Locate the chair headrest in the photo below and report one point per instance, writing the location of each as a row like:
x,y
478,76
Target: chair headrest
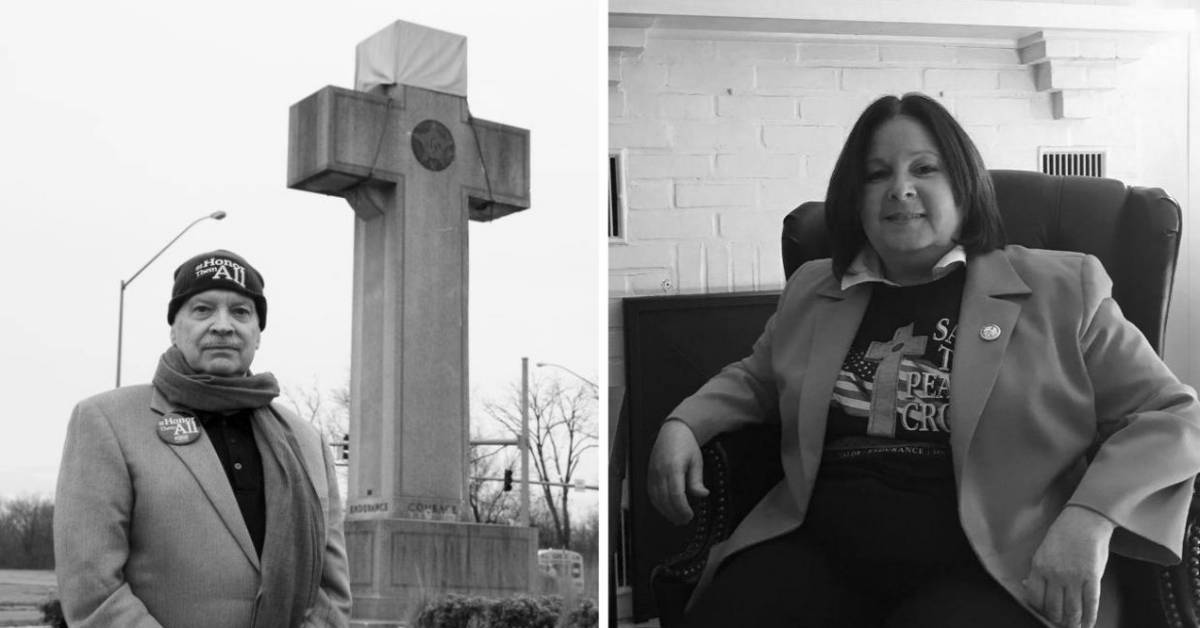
x,y
1134,231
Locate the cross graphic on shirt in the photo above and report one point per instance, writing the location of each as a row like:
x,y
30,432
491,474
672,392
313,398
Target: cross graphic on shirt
x,y
883,398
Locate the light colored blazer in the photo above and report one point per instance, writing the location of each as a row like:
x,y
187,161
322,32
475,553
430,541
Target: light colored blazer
x,y
1067,370
150,534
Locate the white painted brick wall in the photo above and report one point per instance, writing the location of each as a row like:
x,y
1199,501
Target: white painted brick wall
x,y
718,267
679,50
792,77
881,81
640,255
670,106
795,137
743,258
838,110
748,226
724,136
916,54
714,194
670,166
638,134
640,76
992,110
672,224
985,56
760,107
760,166
756,51
850,53
961,80
1017,80
691,267
648,194
616,102
782,195
707,77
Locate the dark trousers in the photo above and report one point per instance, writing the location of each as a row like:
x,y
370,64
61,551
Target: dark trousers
x,y
790,582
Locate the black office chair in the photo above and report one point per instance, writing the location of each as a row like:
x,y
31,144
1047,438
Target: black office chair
x,y
1134,231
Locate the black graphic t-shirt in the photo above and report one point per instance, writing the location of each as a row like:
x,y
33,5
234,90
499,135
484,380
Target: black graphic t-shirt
x,y
893,391
885,491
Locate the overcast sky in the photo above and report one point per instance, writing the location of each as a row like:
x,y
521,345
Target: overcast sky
x,y
121,122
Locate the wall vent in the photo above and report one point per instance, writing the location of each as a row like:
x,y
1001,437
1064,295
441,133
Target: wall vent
x,y
1077,162
616,197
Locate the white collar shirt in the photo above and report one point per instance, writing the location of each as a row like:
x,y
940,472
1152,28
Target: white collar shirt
x,y
868,268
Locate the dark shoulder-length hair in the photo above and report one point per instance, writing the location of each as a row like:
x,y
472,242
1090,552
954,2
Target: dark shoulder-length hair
x,y
982,229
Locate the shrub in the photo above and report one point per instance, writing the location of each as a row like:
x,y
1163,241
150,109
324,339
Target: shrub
x,y
524,611
455,611
52,614
585,616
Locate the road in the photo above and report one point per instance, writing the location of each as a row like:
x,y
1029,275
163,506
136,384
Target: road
x,y
21,593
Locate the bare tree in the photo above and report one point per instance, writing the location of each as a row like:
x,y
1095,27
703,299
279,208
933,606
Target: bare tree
x,y
562,427
328,410
26,533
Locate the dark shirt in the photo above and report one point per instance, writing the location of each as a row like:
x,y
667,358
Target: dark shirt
x,y
232,437
885,491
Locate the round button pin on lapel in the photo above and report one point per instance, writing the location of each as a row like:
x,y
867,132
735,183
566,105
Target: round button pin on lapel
x,y
177,428
990,332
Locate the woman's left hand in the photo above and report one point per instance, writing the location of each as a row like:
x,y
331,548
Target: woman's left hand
x,y
1064,581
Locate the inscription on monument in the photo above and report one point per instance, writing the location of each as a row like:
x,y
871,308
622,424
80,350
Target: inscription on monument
x,y
376,507
433,145
432,512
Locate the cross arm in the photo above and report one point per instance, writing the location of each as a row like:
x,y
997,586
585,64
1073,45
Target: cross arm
x,y
505,158
337,139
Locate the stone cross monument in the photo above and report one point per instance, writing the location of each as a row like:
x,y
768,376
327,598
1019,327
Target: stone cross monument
x,y
415,166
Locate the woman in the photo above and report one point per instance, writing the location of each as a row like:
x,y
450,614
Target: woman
x,y
937,393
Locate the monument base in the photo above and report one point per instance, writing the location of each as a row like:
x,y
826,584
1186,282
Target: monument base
x,y
397,566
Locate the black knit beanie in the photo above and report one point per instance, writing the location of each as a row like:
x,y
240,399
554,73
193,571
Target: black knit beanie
x,y
217,270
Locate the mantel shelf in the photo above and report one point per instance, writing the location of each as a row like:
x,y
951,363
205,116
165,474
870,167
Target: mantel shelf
x,y
976,19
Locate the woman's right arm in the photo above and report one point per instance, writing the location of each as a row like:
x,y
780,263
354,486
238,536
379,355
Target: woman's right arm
x,y
742,394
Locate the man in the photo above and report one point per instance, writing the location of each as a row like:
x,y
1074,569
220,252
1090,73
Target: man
x,y
194,501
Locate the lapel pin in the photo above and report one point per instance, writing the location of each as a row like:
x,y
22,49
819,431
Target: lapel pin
x,y
990,332
177,428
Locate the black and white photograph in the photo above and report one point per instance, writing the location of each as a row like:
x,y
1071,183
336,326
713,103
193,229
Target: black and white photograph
x,y
414,193
901,313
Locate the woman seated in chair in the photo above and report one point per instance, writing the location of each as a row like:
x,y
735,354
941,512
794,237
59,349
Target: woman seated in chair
x,y
939,396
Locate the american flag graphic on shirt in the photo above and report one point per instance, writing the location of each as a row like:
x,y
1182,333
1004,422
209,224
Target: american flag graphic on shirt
x,y
856,381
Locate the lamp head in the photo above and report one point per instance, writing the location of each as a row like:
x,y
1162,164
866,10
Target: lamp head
x,y
217,215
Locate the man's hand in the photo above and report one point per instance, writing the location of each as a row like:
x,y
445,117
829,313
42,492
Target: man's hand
x,y
1064,581
675,466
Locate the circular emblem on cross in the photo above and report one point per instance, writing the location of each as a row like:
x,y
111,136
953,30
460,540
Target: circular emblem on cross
x,y
432,145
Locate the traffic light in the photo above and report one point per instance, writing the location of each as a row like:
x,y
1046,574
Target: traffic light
x,y
345,447
508,479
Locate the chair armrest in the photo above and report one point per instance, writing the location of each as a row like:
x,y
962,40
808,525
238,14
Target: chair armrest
x,y
1179,585
738,474
739,468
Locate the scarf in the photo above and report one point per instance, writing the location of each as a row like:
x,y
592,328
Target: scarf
x,y
293,549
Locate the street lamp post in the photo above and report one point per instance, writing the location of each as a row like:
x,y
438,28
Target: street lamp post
x,y
593,385
217,215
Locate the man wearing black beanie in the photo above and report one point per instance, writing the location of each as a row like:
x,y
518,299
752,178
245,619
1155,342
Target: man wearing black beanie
x,y
195,500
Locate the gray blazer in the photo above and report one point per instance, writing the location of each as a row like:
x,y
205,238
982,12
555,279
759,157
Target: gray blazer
x,y
1067,371
149,534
